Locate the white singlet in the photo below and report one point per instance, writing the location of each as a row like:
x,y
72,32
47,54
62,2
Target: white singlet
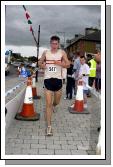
x,y
52,70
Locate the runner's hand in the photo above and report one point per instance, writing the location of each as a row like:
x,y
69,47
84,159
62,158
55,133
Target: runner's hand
x,y
58,63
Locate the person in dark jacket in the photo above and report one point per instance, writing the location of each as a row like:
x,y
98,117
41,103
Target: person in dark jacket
x,y
70,80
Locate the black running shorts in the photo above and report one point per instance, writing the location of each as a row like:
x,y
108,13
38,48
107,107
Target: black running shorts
x,y
53,84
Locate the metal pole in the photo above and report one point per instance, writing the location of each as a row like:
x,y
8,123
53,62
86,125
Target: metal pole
x,y
38,52
38,42
24,7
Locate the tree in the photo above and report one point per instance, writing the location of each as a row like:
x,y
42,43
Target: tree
x,y
32,58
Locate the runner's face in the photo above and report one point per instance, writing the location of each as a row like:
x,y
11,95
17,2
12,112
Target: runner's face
x,y
54,45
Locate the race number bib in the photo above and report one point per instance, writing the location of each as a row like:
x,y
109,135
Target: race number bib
x,y
52,69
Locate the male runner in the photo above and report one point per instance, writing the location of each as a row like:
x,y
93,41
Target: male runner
x,y
53,61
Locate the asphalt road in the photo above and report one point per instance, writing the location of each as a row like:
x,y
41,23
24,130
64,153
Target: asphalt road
x,y
12,80
13,73
73,134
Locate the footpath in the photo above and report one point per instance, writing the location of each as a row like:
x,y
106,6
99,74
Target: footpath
x,y
73,134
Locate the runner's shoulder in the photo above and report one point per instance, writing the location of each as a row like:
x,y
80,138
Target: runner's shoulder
x,y
45,52
63,52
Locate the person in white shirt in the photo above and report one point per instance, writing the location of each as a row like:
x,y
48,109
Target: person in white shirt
x,y
33,64
76,68
84,75
52,61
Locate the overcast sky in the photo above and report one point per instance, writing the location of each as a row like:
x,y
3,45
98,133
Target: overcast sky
x,y
71,19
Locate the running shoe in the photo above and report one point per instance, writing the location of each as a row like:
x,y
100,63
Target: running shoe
x,y
49,131
65,98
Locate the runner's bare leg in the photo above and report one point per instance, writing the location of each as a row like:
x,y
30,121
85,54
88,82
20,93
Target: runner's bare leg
x,y
57,97
48,97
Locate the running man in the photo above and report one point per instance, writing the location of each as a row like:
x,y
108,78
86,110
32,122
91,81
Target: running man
x,y
52,61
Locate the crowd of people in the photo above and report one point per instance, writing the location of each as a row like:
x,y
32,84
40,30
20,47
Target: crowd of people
x,y
86,68
26,71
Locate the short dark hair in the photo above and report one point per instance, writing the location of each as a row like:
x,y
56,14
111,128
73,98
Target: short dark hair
x,y
89,56
55,38
82,57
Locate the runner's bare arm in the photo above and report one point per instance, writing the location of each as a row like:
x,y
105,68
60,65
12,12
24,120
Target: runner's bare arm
x,y
65,62
41,62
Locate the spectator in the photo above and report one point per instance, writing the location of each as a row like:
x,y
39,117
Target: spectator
x,y
98,77
70,80
76,69
29,71
92,75
83,75
33,64
23,72
98,71
97,56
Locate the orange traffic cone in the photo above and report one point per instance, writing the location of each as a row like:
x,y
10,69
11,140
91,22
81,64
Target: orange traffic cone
x,y
28,113
78,106
34,91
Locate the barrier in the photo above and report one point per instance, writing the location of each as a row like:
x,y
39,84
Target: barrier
x,y
13,89
13,107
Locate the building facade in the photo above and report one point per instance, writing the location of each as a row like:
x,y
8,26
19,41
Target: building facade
x,y
88,43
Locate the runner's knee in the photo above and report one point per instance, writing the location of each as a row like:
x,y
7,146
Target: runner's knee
x,y
48,105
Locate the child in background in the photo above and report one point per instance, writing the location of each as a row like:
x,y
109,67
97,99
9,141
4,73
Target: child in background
x,y
84,75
